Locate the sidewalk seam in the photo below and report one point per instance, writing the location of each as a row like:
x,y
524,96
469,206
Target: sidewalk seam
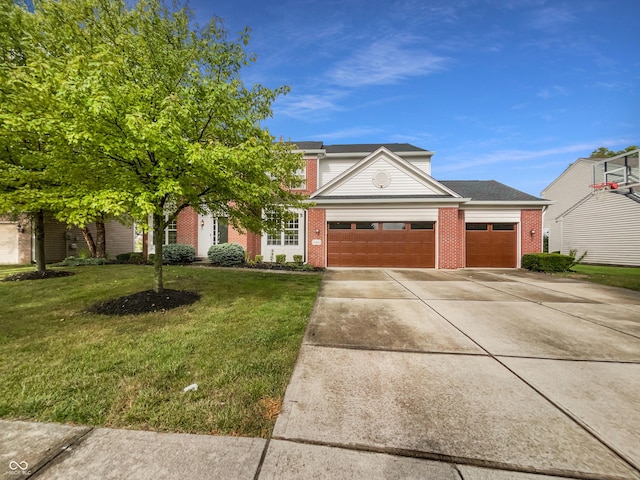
x,y
262,457
42,468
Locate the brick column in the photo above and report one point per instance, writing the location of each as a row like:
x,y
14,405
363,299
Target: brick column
x,y
317,220
531,221
187,227
450,238
251,242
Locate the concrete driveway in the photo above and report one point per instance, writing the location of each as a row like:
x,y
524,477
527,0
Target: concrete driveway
x,y
474,374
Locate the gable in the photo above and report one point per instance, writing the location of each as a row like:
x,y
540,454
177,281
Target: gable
x,y
383,173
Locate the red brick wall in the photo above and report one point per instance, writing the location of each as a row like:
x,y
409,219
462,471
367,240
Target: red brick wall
x,y
312,176
187,227
531,221
249,241
450,238
317,220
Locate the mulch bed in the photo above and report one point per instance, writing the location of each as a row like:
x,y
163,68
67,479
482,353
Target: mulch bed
x,y
19,277
145,302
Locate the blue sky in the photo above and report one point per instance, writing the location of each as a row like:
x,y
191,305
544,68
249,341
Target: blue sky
x,y
511,90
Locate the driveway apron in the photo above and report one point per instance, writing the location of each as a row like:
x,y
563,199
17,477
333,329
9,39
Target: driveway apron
x,y
504,369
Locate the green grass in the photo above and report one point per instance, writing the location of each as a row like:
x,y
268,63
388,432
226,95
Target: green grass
x,y
238,343
625,277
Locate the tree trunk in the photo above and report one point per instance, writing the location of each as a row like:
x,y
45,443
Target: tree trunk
x,y
101,239
158,240
38,233
91,245
145,245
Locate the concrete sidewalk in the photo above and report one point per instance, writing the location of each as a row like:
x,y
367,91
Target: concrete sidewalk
x,y
464,375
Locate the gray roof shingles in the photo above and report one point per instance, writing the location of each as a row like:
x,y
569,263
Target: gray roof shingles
x,y
487,190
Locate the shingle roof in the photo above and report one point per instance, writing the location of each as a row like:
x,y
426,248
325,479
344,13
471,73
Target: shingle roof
x,y
487,190
307,145
372,147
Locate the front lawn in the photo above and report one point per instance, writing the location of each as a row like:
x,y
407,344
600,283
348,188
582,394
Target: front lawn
x,y
239,342
626,277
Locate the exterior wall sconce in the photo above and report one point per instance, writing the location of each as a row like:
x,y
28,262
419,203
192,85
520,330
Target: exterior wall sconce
x,y
202,223
20,228
317,232
532,232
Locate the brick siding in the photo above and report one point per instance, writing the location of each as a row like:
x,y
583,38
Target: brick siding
x,y
317,220
450,238
531,221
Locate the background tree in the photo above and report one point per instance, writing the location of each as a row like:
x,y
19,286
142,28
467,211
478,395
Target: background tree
x,y
159,118
604,152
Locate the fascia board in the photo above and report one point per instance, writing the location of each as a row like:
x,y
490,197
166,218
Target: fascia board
x,y
378,201
508,203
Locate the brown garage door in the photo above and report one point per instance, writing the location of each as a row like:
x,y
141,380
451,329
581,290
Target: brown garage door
x,y
491,245
381,244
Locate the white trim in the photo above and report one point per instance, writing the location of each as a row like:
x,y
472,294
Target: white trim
x,y
431,202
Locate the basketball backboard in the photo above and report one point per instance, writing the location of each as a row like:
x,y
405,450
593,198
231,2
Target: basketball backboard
x,y
617,173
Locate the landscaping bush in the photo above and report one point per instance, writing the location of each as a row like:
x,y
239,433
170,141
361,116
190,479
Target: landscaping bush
x,y
79,262
123,257
178,253
548,262
297,259
226,254
134,258
259,258
281,258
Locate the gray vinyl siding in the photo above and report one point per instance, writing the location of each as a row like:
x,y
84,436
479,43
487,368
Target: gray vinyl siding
x,y
606,228
568,189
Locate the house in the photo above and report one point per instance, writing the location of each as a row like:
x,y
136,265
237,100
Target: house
x,y
17,243
603,223
377,205
374,205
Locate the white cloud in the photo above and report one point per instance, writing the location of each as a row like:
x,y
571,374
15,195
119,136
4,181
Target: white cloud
x,y
555,91
307,106
351,133
552,18
387,61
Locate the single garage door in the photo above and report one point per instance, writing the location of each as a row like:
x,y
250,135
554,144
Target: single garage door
x,y
381,244
491,245
8,243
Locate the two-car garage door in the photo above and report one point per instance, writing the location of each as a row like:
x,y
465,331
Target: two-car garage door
x,y
413,244
381,244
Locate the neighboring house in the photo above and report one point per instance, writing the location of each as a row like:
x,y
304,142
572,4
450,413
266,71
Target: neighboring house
x,y
17,244
605,224
377,205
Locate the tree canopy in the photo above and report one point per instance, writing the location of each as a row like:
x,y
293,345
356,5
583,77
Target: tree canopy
x,y
604,152
143,114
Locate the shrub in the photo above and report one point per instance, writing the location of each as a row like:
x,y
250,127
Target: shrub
x,y
79,262
226,254
297,259
547,262
123,257
259,258
178,253
281,258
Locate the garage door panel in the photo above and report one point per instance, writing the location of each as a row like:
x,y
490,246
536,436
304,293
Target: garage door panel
x,y
491,248
381,248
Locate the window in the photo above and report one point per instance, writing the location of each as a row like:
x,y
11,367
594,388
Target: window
x,y
289,233
339,226
477,226
366,226
394,226
503,226
171,233
422,226
302,175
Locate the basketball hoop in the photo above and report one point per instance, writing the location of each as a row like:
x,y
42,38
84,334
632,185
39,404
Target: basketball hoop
x,y
600,189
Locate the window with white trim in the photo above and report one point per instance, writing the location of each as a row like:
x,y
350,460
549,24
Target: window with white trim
x,y
288,234
171,233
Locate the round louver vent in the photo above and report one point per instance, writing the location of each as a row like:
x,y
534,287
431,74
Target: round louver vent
x,y
381,179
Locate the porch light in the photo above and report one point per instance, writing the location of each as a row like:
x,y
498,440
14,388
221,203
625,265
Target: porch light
x,y
202,223
20,228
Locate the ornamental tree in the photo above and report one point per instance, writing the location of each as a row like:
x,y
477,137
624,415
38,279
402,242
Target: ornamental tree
x,y
158,117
